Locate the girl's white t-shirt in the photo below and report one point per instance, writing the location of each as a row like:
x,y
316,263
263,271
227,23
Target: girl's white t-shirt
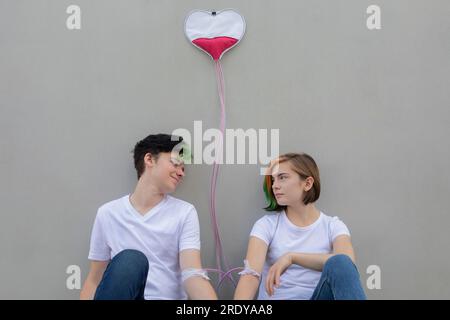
x,y
168,228
296,282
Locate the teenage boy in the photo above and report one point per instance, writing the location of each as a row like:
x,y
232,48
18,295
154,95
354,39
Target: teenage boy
x,y
147,245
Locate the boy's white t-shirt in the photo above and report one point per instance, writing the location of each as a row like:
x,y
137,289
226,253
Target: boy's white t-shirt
x,y
168,228
296,283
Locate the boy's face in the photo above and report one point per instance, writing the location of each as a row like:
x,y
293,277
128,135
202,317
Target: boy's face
x,y
167,172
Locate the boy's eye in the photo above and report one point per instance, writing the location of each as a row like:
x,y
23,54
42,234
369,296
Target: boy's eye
x,y
176,162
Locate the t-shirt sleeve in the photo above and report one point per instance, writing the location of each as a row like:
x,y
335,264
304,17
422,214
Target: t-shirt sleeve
x,y
338,228
190,232
99,249
262,230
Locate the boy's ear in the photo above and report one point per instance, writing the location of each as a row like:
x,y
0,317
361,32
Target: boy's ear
x,y
149,159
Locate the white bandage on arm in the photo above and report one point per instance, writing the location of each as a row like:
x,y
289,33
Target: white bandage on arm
x,y
248,270
192,272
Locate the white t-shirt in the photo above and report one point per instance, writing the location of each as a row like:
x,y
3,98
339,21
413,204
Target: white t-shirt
x,y
168,228
296,283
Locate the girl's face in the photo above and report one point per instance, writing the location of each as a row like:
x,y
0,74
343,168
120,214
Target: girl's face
x,y
288,187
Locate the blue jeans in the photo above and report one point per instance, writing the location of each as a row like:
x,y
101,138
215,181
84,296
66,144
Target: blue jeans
x,y
339,281
124,278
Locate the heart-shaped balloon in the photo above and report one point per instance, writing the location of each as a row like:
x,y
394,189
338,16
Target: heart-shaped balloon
x,y
214,32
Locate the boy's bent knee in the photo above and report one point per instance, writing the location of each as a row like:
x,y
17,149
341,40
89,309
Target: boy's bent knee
x,y
133,259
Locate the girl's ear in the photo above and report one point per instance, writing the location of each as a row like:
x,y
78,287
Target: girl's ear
x,y
309,183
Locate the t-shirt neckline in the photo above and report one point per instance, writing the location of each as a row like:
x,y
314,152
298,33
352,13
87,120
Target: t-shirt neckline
x,y
292,226
149,213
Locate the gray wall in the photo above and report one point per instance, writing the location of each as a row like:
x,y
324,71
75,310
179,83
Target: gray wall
x,y
371,106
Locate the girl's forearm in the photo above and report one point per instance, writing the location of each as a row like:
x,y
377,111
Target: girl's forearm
x,y
246,288
314,261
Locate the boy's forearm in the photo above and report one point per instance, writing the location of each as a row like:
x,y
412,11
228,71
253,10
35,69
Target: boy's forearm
x,y
198,288
88,291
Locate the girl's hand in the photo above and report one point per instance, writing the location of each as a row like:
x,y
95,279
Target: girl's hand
x,y
275,272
